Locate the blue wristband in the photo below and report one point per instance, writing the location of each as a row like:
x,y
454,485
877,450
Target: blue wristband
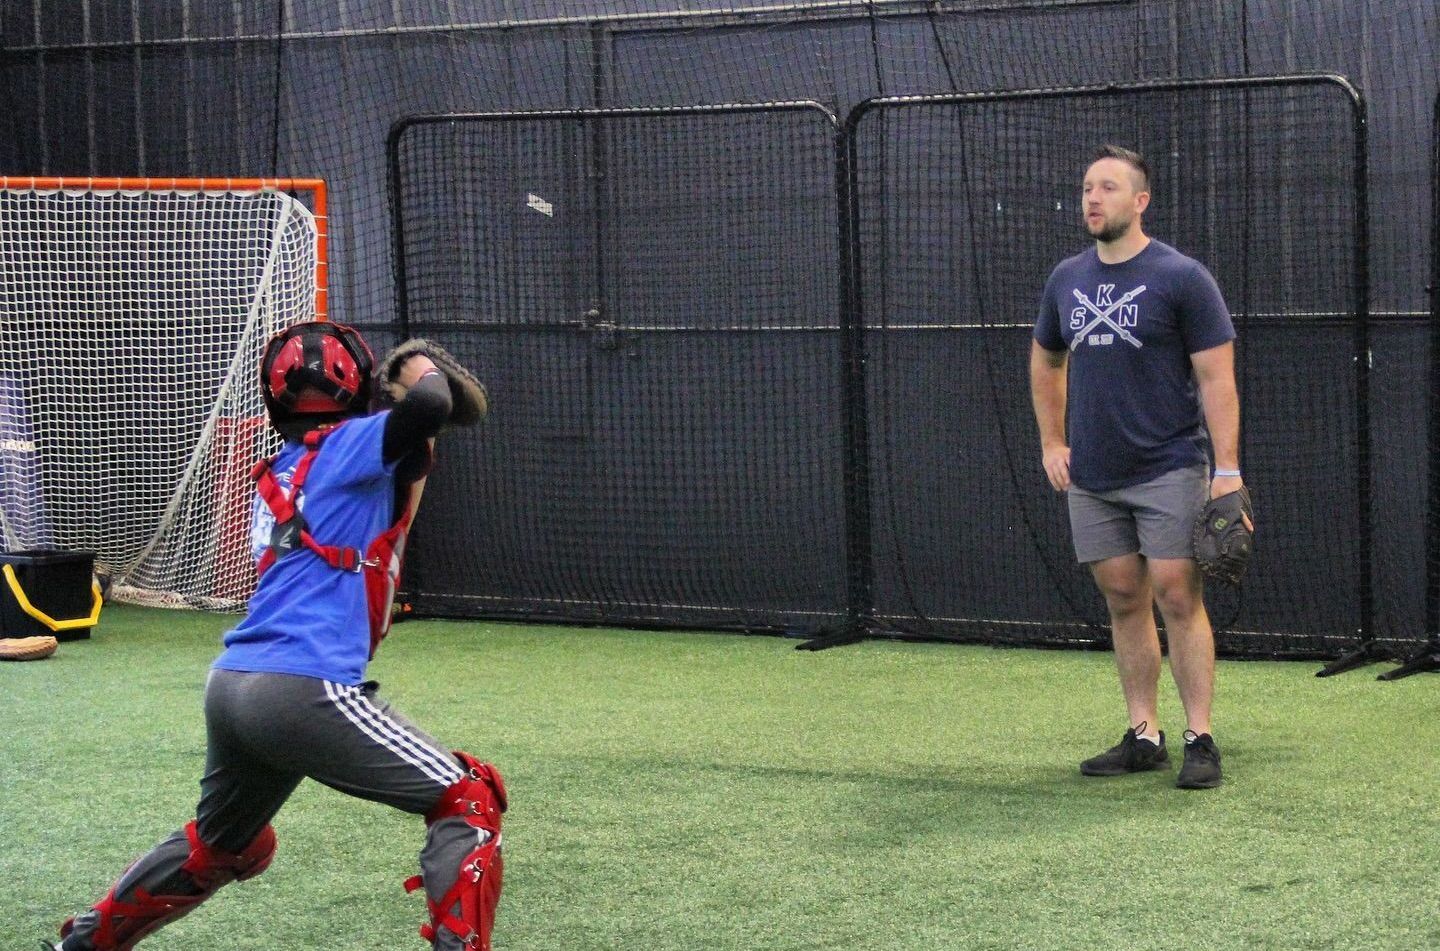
x,y
1227,473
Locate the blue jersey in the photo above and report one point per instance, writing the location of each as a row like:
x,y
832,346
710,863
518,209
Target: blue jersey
x,y
307,617
1134,411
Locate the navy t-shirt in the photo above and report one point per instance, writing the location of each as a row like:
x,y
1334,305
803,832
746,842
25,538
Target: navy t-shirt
x,y
1134,411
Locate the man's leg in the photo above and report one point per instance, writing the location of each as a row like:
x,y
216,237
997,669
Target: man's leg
x,y
1165,515
1137,656
1187,629
1103,528
1126,587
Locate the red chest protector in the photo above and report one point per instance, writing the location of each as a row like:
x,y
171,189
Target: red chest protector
x,y
379,563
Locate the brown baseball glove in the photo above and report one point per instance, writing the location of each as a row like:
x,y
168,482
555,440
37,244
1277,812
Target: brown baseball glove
x,y
27,648
1224,537
467,394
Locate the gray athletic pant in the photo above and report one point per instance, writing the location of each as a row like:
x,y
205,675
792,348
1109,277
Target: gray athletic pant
x,y
267,732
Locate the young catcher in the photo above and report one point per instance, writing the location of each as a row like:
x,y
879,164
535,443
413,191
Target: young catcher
x,y
288,698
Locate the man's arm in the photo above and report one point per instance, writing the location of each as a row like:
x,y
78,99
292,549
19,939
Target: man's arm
x,y
1048,370
1215,376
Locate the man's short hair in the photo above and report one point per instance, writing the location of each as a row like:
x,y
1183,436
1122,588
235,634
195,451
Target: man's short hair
x,y
1130,157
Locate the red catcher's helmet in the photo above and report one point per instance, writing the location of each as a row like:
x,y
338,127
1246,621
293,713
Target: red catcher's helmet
x,y
316,368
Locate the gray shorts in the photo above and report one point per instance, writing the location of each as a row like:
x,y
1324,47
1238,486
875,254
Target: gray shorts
x,y
1154,518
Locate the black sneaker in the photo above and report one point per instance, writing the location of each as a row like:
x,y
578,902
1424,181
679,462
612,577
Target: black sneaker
x,y
1130,755
1202,762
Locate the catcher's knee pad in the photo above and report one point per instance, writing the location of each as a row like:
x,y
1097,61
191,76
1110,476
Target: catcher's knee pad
x,y
126,918
467,909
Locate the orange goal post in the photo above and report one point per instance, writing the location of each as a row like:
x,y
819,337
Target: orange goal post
x,y
133,312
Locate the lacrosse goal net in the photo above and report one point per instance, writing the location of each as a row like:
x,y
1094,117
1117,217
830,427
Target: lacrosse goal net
x,y
132,317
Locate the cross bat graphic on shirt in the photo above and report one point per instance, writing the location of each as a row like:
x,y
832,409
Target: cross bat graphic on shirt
x,y
1103,317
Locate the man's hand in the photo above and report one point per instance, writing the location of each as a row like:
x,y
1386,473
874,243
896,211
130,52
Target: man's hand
x,y
1223,538
1224,485
1047,391
1057,467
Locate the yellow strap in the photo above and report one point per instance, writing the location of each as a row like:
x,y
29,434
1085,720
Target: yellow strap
x,y
44,618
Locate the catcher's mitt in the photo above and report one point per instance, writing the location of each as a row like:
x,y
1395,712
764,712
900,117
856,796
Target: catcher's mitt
x,y
466,393
27,648
1223,537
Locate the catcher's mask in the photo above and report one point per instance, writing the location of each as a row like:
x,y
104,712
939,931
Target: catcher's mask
x,y
315,371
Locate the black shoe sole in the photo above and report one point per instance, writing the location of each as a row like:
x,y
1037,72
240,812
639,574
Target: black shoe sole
x,y
1148,768
1209,784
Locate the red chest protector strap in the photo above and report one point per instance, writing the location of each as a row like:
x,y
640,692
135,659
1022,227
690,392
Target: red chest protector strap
x,y
379,563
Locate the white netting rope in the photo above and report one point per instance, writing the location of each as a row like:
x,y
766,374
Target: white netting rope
x,y
131,326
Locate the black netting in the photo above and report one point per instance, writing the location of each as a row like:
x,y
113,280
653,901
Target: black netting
x,y
671,432
653,301
963,208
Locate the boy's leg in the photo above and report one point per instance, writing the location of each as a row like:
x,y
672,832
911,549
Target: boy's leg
x,y
353,741
231,839
267,731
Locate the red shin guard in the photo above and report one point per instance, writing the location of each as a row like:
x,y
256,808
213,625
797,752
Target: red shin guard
x,y
468,908
124,922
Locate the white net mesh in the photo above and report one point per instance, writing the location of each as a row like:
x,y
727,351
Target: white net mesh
x,y
131,327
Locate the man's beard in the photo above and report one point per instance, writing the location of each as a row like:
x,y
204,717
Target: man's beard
x,y
1111,230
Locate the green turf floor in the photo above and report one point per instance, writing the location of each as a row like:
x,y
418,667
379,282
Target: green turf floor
x,y
695,791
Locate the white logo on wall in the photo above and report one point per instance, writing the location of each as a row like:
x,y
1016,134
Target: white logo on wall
x,y
1118,316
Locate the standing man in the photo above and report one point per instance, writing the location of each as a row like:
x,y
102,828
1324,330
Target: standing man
x,y
1144,340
